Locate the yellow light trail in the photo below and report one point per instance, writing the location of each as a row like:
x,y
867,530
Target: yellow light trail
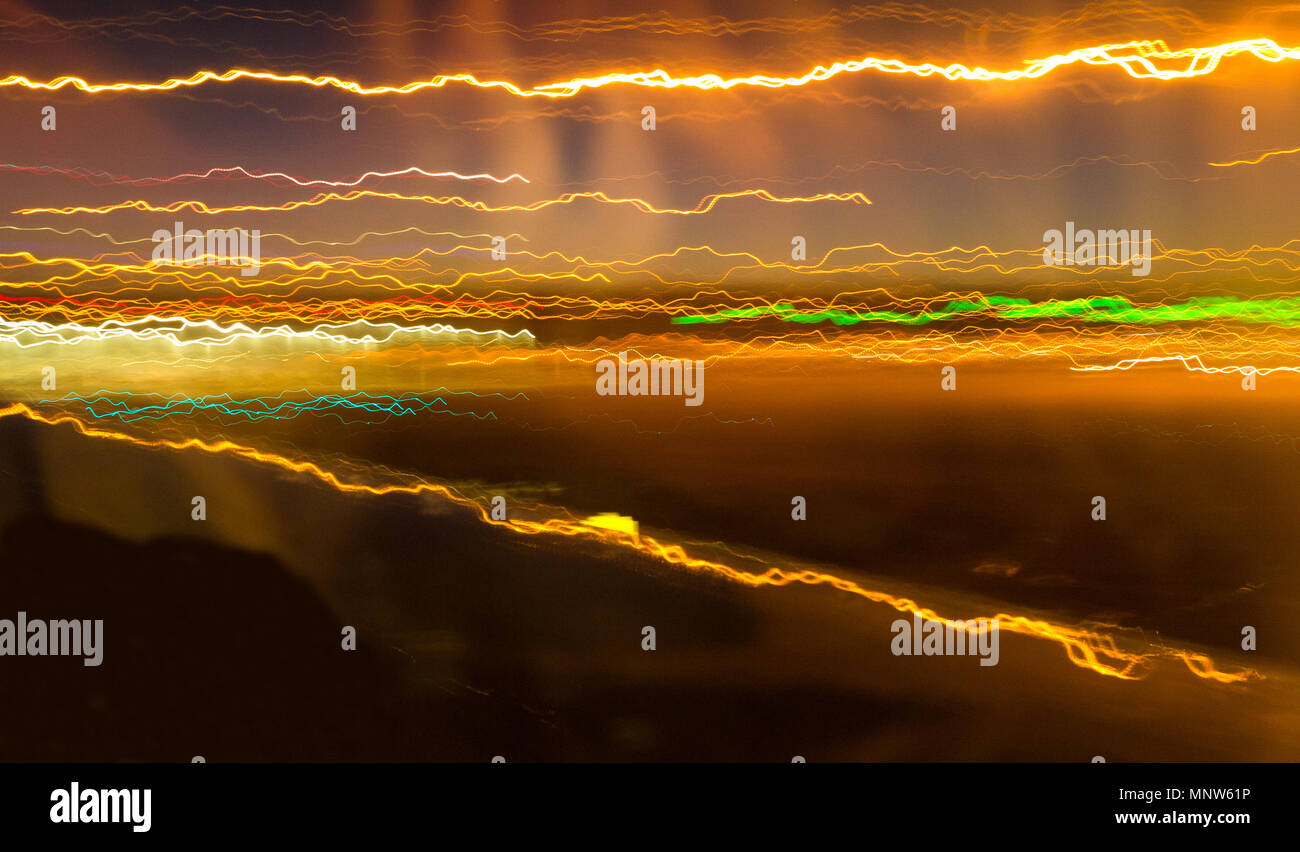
x,y
1138,59
1192,362
1265,264
1090,650
892,346
266,236
180,331
261,307
704,206
233,172
1257,160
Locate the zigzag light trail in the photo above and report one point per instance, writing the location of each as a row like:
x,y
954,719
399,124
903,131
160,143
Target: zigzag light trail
x,y
180,331
1192,362
241,172
839,311
104,406
1089,650
1276,264
704,206
1080,348
1138,59
300,243
1254,161
1116,309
